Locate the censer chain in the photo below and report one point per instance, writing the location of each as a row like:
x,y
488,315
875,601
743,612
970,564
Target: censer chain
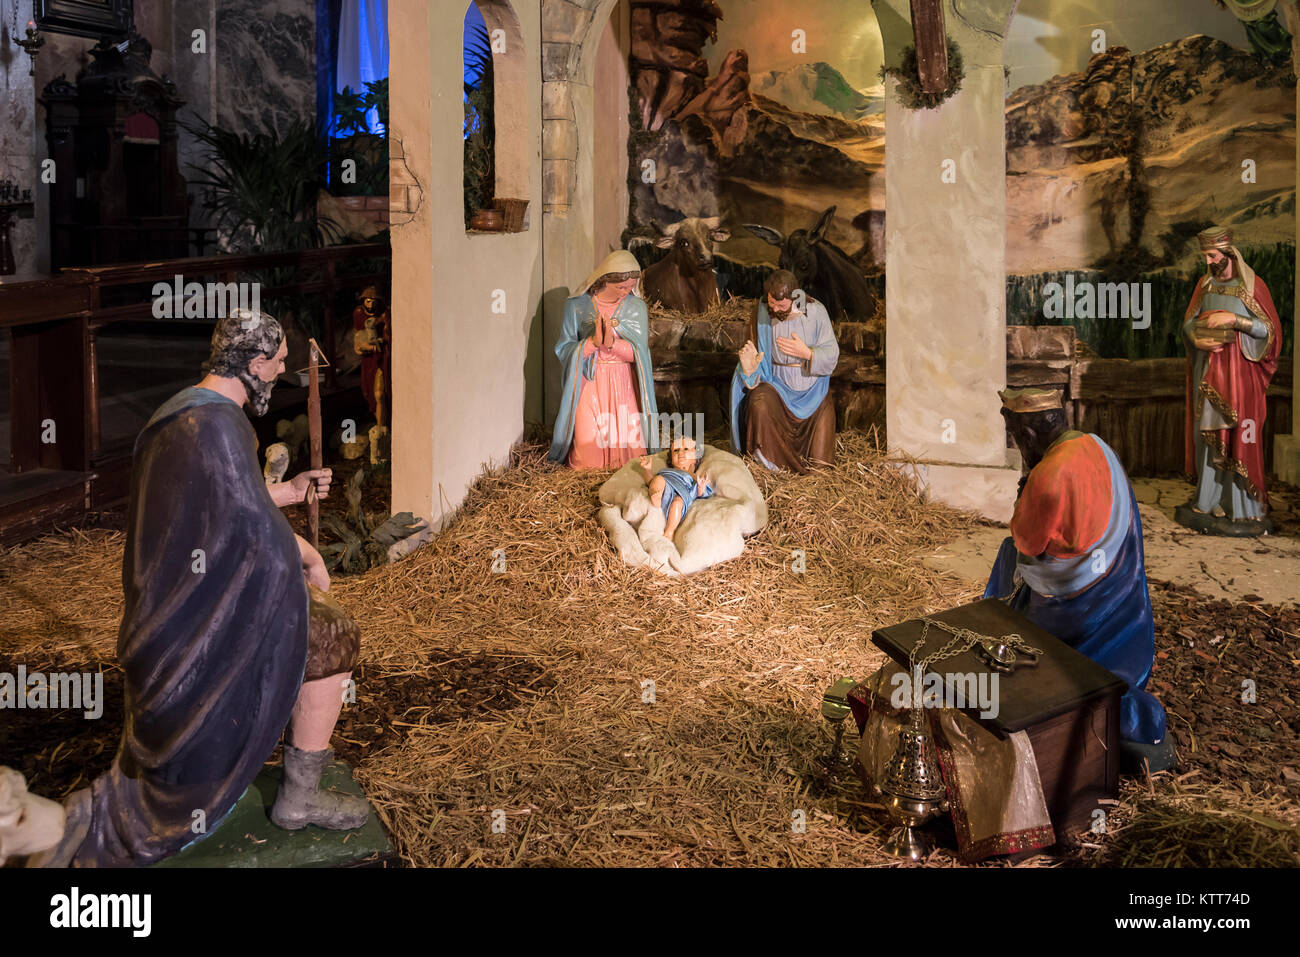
x,y
963,640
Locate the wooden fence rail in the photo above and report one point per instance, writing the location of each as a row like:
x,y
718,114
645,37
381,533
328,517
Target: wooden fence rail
x,y
53,324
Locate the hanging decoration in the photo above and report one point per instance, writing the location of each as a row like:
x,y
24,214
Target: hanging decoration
x,y
910,91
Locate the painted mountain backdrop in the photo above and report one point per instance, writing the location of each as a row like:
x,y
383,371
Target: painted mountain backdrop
x,y
1123,162
819,88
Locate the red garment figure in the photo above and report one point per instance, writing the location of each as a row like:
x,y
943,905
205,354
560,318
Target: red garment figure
x,y
1237,367
371,341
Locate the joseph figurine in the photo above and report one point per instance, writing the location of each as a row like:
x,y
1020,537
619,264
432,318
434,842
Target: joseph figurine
x,y
1233,338
781,409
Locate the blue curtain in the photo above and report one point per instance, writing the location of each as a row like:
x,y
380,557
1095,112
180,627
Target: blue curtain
x,y
363,48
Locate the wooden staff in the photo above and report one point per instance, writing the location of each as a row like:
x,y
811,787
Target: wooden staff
x,y
314,432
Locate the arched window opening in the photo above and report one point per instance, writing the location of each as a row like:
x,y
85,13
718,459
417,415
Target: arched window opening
x,y
495,180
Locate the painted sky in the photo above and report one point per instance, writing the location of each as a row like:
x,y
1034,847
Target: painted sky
x,y
1047,37
841,33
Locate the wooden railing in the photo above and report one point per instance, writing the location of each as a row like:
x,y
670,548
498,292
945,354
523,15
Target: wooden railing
x,y
53,324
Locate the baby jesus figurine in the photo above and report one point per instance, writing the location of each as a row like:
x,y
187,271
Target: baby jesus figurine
x,y
677,488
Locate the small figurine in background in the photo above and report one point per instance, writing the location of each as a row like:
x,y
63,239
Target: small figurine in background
x,y
277,463
380,446
293,434
677,488
1233,336
371,340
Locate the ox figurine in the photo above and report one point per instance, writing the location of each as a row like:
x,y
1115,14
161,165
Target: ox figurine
x,y
684,280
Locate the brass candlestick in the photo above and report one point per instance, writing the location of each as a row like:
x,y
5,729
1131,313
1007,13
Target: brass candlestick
x,y
835,708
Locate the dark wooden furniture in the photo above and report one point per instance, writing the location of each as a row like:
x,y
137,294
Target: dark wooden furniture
x,y
55,325
15,203
1068,704
119,195
85,18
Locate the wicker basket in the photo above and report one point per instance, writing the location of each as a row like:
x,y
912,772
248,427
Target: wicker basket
x,y
512,210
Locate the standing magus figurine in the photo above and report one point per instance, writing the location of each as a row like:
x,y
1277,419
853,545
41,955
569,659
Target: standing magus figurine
x,y
1233,338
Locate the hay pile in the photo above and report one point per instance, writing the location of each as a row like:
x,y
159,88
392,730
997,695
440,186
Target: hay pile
x,y
517,696
584,771
1194,833
740,655
733,309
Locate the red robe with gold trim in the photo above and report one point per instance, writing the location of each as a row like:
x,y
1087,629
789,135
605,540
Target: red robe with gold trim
x,y
1235,385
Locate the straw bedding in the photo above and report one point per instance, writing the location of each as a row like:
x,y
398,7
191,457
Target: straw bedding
x,y
611,715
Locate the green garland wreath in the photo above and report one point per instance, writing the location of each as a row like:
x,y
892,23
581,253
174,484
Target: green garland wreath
x,y
908,76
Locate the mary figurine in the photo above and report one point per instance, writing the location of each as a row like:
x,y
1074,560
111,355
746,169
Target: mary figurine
x,y
607,414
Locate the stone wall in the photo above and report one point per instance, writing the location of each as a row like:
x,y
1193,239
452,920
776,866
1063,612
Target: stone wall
x,y
18,155
265,64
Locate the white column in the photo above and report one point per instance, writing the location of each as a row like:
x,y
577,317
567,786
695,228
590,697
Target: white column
x,y
464,305
945,287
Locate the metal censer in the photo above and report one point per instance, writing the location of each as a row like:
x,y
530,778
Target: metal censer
x,y
913,789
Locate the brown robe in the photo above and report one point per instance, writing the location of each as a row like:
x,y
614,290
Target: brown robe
x,y
786,441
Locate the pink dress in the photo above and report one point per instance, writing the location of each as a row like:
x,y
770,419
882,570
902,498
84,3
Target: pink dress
x,y
607,422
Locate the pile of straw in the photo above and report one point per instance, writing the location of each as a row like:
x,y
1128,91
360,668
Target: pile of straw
x,y
1197,833
591,774
520,697
729,310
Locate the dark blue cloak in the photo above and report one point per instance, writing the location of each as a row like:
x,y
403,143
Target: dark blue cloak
x,y
212,654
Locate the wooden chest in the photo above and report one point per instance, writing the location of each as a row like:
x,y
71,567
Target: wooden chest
x,y
1067,704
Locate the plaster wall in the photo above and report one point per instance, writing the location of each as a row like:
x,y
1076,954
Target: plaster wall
x,y
461,372
945,283
19,161
571,226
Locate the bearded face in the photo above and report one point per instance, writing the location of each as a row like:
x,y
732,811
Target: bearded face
x,y
249,346
1220,265
779,309
259,376
259,393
